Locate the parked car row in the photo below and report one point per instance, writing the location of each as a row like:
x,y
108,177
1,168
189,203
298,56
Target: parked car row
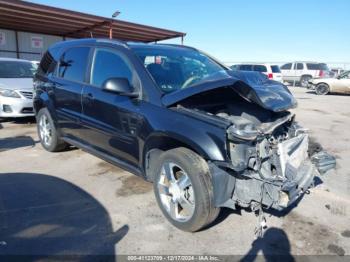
x,y
299,72
273,72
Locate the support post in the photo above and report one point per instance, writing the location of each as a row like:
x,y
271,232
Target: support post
x,y
182,40
17,45
111,30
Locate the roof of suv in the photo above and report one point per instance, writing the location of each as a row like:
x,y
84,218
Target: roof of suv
x,y
119,42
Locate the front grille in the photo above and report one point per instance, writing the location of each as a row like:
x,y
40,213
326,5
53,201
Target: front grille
x,y
27,110
27,94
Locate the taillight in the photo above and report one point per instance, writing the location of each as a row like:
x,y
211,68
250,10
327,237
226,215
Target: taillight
x,y
321,74
270,75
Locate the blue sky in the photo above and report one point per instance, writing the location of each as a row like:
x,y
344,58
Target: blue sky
x,y
251,30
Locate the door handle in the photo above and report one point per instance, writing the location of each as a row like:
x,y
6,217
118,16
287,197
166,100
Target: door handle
x,y
88,96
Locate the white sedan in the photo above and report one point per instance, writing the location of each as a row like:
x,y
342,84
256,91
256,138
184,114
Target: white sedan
x,y
323,86
16,87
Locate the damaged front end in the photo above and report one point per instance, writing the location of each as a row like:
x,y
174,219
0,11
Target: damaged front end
x,y
268,163
272,170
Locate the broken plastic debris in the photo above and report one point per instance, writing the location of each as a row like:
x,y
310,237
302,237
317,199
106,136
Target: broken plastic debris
x,y
323,161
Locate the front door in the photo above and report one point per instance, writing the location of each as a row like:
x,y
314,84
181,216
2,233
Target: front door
x,y
111,121
287,72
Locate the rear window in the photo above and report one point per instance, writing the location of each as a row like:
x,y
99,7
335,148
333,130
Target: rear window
x,y
47,64
275,69
314,66
259,68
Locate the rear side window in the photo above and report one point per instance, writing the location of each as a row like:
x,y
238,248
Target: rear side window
x,y
47,64
246,67
324,67
259,68
315,66
109,64
73,64
275,69
286,66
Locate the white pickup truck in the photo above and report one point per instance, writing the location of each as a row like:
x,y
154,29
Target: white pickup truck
x,y
301,72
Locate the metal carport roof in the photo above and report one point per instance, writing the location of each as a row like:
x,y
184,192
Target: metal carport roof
x,y
37,18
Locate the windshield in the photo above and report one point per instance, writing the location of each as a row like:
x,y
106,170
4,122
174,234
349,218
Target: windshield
x,y
14,69
177,68
344,75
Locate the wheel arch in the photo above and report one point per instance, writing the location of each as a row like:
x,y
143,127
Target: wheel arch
x,y
324,83
301,77
160,142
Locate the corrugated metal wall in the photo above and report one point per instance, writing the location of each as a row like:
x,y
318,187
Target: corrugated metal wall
x,y
9,43
26,44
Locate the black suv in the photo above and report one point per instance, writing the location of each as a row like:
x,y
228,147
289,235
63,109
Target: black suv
x,y
206,136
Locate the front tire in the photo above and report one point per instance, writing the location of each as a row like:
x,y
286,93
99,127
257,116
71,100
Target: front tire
x,y
47,132
304,81
184,190
322,89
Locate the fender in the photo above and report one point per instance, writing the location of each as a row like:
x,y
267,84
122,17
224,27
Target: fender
x,y
205,144
42,100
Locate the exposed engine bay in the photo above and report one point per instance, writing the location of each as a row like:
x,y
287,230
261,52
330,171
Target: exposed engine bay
x,y
268,151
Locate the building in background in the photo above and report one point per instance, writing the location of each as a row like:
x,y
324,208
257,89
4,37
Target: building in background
x,y
28,29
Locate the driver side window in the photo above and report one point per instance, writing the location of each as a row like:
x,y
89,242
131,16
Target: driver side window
x,y
109,63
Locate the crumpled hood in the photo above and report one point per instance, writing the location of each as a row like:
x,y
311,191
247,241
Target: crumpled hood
x,y
17,83
253,86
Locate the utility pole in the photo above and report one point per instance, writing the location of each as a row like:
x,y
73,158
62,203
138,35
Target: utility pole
x,y
115,14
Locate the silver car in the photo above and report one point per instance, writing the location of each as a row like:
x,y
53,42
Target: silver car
x,y
16,87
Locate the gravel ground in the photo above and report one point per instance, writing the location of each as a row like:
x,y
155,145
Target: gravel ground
x,y
74,203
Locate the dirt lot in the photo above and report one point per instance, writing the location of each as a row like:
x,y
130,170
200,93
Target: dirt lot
x,y
74,203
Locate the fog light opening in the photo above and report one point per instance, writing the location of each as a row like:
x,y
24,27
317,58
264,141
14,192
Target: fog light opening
x,y
7,108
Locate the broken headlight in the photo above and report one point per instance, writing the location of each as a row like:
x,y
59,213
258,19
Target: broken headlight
x,y
246,132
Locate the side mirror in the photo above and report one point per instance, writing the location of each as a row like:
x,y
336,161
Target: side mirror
x,y
120,86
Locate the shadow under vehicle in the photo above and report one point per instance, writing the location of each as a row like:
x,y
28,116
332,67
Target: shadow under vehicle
x,y
43,217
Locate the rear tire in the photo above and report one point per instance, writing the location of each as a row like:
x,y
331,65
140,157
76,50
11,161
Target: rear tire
x,y
304,81
47,132
190,209
322,89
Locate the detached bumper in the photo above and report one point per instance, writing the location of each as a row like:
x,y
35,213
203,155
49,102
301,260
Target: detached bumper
x,y
248,189
16,107
292,190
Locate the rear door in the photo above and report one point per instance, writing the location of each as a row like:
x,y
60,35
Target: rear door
x,y
111,122
68,86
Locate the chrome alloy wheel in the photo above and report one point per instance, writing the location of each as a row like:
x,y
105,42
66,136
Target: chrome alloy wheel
x,y
176,192
45,130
